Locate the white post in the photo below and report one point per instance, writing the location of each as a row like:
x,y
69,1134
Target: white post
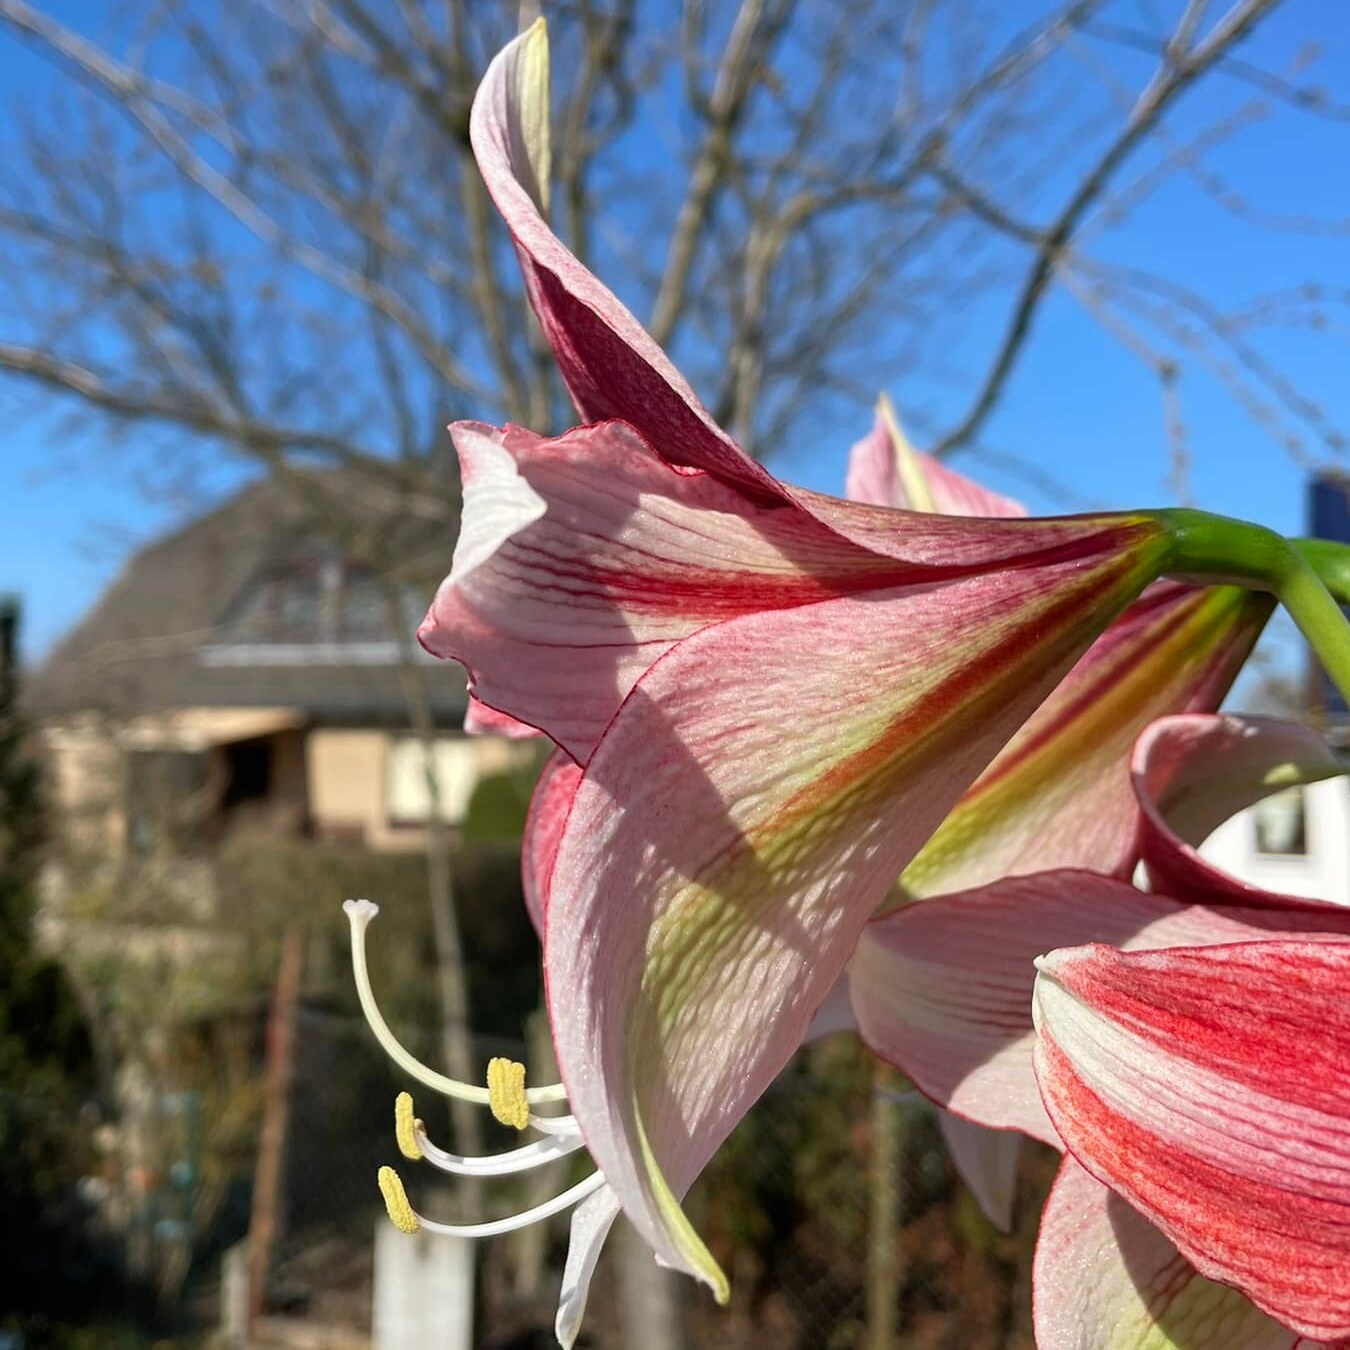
x,y
423,1295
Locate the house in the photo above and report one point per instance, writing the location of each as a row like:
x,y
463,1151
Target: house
x,y
249,674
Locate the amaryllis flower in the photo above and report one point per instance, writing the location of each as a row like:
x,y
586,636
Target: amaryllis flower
x,y
771,699
1190,1057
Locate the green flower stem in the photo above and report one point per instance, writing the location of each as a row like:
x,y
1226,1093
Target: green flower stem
x,y
1331,562
1212,549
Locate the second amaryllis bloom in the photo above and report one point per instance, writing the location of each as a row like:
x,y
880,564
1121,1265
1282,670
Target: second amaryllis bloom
x,y
1189,1058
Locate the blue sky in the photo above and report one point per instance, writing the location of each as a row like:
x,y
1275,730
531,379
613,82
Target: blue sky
x,y
1080,408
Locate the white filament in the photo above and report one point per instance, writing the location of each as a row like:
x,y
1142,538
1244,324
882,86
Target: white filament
x,y
511,1223
525,1159
359,914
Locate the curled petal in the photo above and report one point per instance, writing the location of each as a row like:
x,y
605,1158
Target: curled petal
x,y
1190,774
549,805
1208,1087
609,363
1107,1279
943,989
1060,795
737,825
883,466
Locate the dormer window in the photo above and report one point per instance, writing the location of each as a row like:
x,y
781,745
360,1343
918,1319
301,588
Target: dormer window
x,y
322,609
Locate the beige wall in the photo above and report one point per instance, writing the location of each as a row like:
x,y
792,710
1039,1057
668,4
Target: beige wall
x,y
346,783
349,783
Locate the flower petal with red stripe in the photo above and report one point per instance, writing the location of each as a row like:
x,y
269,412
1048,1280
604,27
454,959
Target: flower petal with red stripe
x,y
1210,1087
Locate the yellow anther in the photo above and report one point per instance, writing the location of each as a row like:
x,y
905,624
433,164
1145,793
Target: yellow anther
x,y
396,1201
406,1126
506,1092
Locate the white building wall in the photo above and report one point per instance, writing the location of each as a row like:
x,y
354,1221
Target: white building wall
x,y
1321,870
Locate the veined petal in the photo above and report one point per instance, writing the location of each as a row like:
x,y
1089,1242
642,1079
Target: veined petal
x,y
591,1221
738,823
880,464
480,720
609,363
1106,1279
1190,774
1208,1087
1060,794
987,1162
544,822
633,554
943,989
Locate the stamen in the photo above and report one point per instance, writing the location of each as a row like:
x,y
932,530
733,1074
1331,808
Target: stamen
x,y
408,1221
506,1092
359,914
406,1127
396,1202
414,1144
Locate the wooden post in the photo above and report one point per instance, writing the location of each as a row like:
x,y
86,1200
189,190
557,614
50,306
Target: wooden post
x,y
264,1221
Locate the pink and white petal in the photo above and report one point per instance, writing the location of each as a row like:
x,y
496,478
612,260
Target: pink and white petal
x,y
738,823
875,475
986,1161
481,720
1190,774
549,805
942,989
608,362
1208,1087
1106,1279
1060,793
591,1221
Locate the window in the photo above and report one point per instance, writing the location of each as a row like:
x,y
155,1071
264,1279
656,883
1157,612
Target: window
x,y
321,609
1280,824
455,764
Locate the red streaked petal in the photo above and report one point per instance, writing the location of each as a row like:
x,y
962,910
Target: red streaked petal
x,y
1107,1279
1209,1087
736,826
874,477
608,361
544,822
942,989
1060,794
1190,774
612,366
